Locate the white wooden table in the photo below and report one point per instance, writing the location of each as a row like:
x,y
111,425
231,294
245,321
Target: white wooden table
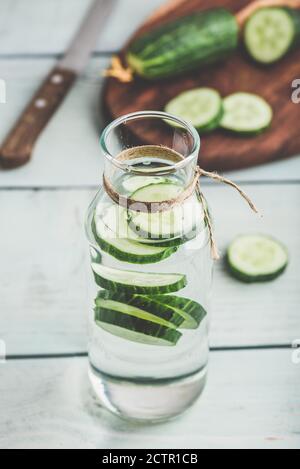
x,y
253,396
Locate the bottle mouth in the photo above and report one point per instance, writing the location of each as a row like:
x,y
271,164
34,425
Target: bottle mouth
x,y
143,115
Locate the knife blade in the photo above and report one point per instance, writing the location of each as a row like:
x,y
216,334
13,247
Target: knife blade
x,y
17,148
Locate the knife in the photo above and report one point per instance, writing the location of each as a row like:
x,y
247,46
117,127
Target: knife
x,y
19,143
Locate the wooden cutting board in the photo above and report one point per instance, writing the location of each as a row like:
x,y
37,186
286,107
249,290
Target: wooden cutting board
x,y
220,150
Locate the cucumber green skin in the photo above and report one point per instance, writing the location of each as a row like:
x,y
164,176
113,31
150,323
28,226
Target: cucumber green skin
x,y
202,38
146,304
142,290
175,243
168,307
190,307
254,133
167,244
239,275
213,125
134,324
295,15
130,257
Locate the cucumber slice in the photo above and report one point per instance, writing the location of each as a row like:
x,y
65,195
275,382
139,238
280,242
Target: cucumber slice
x,y
135,325
182,312
270,34
137,282
175,243
133,183
157,192
131,310
246,113
192,312
126,250
179,222
201,107
144,303
115,219
256,258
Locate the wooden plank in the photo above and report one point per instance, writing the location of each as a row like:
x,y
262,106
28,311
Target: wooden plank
x,y
43,272
251,401
48,26
72,138
44,278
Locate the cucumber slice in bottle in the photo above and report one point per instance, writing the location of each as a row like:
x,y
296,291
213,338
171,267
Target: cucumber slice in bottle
x,y
168,243
145,303
133,183
115,219
192,312
270,33
158,226
179,222
157,192
137,282
256,258
126,250
131,310
201,107
134,324
246,113
182,312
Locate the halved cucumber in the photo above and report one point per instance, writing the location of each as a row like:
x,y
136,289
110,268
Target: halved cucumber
x,y
170,224
192,312
201,107
144,303
127,250
246,113
256,258
137,282
135,325
270,33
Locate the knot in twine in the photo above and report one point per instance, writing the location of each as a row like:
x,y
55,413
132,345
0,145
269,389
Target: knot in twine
x,y
193,187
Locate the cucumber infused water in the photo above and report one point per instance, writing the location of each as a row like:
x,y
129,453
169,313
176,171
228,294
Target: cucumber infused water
x,y
152,270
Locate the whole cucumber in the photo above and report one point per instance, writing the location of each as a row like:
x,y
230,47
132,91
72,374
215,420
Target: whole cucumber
x,y
185,44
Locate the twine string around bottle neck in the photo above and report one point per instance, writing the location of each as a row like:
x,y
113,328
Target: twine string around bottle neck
x,y
193,187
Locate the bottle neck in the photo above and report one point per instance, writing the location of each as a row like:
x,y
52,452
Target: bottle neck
x,y
150,162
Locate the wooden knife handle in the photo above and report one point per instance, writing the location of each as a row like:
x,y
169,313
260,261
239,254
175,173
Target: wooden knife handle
x,y
18,145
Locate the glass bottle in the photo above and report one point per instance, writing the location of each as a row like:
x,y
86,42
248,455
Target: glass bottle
x,y
149,311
